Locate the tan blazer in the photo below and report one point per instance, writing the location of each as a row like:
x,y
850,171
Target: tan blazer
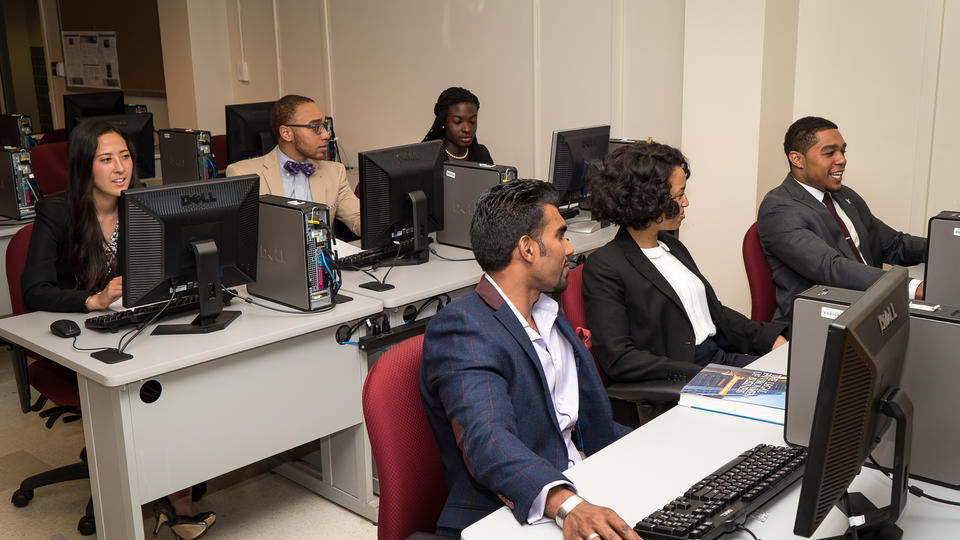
x,y
328,185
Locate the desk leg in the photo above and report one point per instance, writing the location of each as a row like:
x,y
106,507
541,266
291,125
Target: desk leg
x,y
110,456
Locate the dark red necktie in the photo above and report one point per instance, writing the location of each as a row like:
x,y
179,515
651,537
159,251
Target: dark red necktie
x,y
828,202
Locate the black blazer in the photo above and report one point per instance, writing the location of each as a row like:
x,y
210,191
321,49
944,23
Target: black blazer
x,y
805,247
48,281
639,328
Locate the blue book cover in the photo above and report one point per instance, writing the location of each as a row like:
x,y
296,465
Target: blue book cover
x,y
750,393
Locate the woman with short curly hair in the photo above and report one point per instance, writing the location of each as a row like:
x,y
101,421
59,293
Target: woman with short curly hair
x,y
652,314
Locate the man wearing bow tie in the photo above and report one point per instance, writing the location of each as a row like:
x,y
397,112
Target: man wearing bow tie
x,y
296,168
814,230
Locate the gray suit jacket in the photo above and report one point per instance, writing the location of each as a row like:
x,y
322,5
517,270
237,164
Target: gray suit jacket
x,y
328,185
804,244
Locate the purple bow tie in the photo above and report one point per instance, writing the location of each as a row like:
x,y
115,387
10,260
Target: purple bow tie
x,y
293,167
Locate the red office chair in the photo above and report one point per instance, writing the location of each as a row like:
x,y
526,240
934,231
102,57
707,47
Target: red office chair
x,y
52,136
219,143
50,167
53,381
763,292
633,404
412,489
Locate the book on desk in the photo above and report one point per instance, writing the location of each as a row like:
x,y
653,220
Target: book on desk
x,y
750,393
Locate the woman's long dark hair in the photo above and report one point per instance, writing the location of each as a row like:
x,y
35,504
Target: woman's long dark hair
x,y
92,266
450,96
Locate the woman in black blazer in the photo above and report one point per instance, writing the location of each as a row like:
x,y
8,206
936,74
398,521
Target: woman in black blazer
x,y
72,264
652,314
455,122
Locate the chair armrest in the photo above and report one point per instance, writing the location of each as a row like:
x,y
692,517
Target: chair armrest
x,y
657,391
19,359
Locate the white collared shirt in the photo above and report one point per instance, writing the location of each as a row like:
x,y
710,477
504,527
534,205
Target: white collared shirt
x,y
914,283
690,289
560,370
295,186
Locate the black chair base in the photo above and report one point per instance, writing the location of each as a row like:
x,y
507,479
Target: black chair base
x,y
75,471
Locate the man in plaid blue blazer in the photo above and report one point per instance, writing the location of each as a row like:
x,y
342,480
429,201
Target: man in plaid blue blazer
x,y
512,394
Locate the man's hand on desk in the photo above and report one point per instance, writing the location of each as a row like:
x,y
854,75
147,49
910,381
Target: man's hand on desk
x,y
588,521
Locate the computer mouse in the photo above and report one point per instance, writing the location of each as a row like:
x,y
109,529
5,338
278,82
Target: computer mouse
x,y
65,328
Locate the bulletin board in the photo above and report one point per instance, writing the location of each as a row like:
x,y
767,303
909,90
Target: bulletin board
x,y
137,27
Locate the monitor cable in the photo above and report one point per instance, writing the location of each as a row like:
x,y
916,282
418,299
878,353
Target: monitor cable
x,y
439,256
917,492
121,346
250,300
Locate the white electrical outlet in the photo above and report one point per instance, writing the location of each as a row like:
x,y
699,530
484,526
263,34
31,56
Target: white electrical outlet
x,y
243,72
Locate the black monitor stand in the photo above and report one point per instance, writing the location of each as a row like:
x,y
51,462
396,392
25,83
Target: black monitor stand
x,y
212,317
881,523
420,252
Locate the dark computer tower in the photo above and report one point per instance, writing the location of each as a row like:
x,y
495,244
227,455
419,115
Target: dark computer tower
x,y
295,262
18,189
15,130
186,155
930,378
942,275
463,183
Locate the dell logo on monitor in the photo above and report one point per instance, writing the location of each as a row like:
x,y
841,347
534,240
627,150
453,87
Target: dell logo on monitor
x,y
886,317
406,156
197,198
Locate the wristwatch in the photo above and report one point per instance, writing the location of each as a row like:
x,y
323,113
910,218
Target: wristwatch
x,y
565,508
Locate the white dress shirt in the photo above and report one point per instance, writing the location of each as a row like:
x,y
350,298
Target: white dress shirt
x,y
692,293
295,186
914,283
560,369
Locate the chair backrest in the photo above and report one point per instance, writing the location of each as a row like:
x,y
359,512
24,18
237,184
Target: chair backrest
x,y
55,135
15,261
763,292
219,143
411,473
571,299
50,167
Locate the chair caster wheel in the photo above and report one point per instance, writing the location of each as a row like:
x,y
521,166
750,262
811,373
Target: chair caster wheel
x,y
21,497
87,526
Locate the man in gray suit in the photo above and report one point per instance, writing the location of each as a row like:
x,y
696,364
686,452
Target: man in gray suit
x,y
297,168
814,230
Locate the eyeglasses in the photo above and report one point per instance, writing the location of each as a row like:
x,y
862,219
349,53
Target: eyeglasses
x,y
317,128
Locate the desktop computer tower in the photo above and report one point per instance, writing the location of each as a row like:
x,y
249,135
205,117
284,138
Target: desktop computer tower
x,y
186,155
15,130
463,183
134,108
295,254
941,278
930,378
18,190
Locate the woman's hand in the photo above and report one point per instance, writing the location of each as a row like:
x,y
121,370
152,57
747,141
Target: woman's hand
x,y
107,296
780,341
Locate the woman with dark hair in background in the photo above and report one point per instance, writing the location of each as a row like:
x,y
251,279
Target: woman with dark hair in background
x,y
72,259
652,314
455,121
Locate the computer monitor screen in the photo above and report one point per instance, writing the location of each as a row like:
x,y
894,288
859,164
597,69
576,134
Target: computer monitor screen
x,y
248,130
388,177
77,106
189,238
859,394
572,153
138,128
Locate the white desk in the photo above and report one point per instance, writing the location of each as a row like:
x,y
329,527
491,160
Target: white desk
x,y
7,230
267,383
649,467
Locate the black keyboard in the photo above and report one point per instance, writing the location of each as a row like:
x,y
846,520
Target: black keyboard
x,y
369,257
723,500
131,317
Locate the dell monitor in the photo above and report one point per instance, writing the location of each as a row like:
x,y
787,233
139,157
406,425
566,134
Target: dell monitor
x,y
401,198
248,130
859,395
78,106
189,238
572,154
138,128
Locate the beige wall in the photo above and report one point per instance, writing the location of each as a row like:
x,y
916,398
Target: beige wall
x,y
944,191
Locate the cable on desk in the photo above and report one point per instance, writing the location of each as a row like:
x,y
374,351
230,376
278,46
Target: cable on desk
x,y
86,348
250,300
917,492
439,256
748,531
121,345
344,333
